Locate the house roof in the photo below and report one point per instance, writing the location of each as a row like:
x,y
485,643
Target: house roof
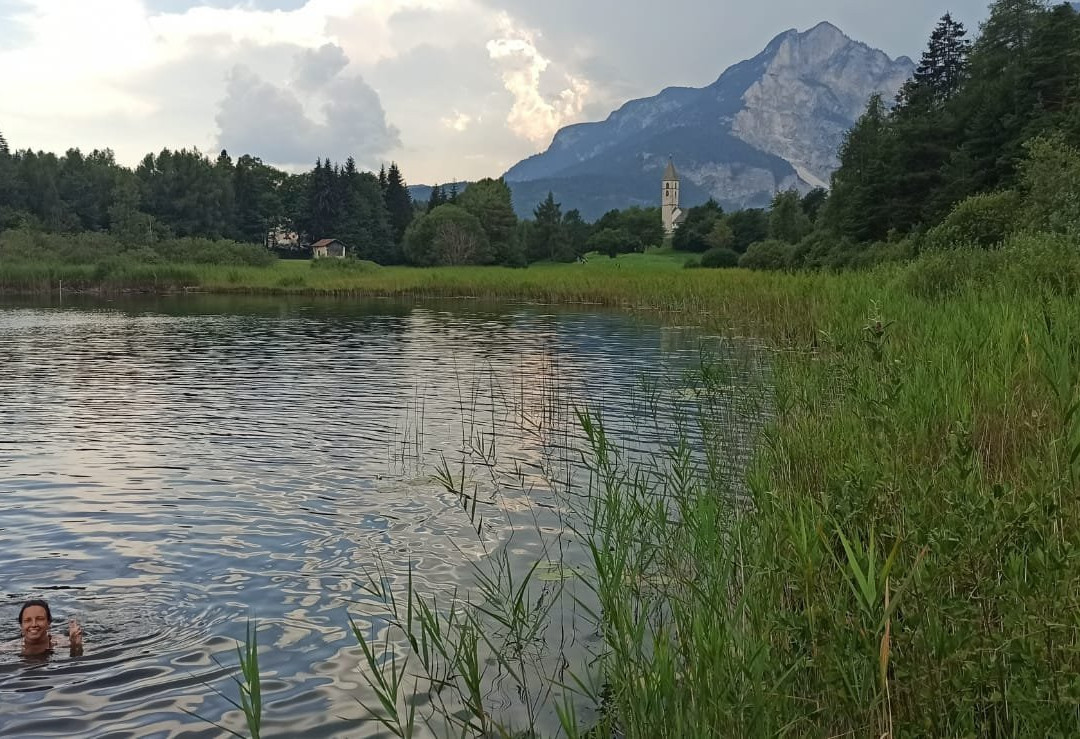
x,y
669,174
325,242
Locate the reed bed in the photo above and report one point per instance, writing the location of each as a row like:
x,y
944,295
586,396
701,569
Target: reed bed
x,y
909,560
905,559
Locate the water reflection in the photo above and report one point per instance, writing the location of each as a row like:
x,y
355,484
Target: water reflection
x,y
171,467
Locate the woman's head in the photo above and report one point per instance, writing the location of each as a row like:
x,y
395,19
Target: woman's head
x,y
34,620
38,603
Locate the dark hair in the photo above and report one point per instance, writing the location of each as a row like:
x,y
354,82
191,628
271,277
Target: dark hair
x,y
35,602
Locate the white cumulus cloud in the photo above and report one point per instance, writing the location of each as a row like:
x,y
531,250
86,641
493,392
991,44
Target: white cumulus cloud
x,y
534,115
457,122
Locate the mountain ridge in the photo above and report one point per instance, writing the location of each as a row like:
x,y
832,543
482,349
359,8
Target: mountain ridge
x,y
766,123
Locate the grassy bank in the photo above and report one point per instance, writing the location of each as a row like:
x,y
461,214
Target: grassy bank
x,y
908,561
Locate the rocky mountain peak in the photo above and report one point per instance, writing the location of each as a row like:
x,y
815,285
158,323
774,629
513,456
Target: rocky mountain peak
x,y
814,87
771,122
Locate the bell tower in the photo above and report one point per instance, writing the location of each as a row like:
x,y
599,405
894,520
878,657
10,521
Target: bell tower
x,y
669,199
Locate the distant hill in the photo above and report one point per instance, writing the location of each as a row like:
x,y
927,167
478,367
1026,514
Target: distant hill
x,y
767,123
422,193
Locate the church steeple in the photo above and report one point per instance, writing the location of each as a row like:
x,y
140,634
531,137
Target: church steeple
x,y
669,199
670,175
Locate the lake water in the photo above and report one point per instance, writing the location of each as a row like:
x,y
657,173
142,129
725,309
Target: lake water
x,y
173,467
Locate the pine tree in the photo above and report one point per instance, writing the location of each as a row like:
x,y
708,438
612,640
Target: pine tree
x,y
925,127
436,198
941,71
398,202
322,205
546,238
364,224
998,104
3,145
787,220
1053,71
860,203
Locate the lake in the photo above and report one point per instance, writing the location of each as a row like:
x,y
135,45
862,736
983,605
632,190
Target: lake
x,y
173,467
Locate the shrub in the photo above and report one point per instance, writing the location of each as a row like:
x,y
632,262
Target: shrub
x,y
214,251
91,247
983,220
1050,177
769,254
1043,262
1028,263
883,252
941,273
813,250
720,257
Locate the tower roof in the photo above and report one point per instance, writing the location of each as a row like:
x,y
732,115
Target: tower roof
x,y
669,174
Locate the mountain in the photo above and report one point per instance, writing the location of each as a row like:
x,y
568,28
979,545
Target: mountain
x,y
766,124
422,193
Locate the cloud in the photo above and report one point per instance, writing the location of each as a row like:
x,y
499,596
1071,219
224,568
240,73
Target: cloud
x,y
457,122
534,116
13,30
293,125
315,67
182,6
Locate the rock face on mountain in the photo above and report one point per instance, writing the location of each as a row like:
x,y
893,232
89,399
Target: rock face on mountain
x,y
767,124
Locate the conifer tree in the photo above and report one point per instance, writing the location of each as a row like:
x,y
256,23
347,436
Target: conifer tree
x,y
998,104
364,222
925,127
546,237
941,71
398,202
436,198
859,205
3,145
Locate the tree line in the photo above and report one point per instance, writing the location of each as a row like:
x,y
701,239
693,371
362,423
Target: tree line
x,y
184,194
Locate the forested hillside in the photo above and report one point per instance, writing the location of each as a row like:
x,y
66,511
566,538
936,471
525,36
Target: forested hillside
x,y
979,149
981,128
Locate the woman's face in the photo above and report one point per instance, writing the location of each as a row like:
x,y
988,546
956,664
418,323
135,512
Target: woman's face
x,y
34,625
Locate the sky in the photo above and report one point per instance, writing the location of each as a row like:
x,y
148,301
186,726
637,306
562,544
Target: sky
x,y
449,89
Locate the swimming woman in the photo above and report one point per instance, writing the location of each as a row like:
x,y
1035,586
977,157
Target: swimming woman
x,y
35,620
